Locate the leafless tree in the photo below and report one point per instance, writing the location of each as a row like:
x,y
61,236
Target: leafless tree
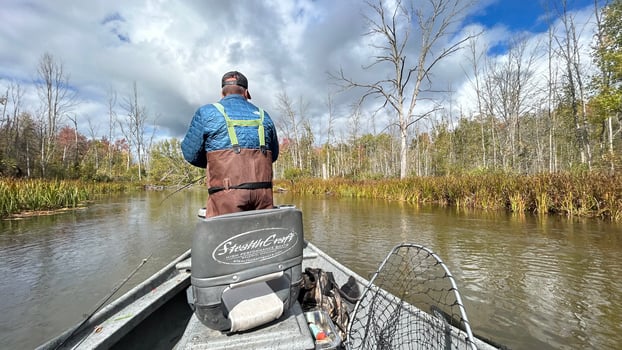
x,y
134,127
569,50
93,144
11,103
15,130
509,94
74,119
57,99
552,99
290,122
112,117
476,58
435,20
326,166
4,101
355,126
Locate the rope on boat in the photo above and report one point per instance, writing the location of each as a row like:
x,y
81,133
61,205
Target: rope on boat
x,y
102,303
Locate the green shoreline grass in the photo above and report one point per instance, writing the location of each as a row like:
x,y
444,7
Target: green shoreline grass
x,y
18,196
573,195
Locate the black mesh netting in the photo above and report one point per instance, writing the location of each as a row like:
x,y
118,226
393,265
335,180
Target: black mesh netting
x,y
412,302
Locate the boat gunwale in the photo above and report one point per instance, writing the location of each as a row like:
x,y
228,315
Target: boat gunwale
x,y
166,273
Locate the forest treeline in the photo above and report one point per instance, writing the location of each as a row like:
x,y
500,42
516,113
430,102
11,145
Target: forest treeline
x,y
555,134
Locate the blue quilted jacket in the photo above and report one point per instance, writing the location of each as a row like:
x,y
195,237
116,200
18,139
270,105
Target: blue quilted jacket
x,y
208,131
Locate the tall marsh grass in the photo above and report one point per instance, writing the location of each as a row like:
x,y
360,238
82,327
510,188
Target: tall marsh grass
x,y
583,194
38,195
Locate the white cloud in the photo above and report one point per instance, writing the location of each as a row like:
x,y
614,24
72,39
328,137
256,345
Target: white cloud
x,y
177,52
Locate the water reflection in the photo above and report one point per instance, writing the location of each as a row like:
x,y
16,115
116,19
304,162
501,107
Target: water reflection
x,y
55,269
527,282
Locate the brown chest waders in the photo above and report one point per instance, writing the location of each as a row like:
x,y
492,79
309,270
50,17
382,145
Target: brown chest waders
x,y
239,168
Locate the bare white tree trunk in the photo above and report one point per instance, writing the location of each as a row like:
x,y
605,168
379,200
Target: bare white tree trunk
x,y
326,167
290,123
392,24
112,117
569,52
57,100
508,95
475,58
94,145
134,127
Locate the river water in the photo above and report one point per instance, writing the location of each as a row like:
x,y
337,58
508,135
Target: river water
x,y
527,282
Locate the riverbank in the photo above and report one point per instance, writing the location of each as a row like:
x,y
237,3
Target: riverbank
x,y
574,195
19,198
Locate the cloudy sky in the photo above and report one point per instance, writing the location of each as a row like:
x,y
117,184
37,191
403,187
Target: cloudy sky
x,y
177,51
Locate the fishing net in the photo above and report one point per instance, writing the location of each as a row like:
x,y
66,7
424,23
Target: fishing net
x,y
412,302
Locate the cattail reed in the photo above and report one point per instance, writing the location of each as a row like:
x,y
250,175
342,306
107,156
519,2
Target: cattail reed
x,y
582,194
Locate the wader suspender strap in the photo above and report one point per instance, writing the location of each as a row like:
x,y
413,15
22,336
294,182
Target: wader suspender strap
x,y
231,124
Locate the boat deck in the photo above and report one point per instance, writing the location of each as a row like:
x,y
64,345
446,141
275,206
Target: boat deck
x,y
288,332
156,315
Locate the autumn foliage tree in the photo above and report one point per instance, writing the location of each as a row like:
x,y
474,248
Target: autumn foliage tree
x,y
607,84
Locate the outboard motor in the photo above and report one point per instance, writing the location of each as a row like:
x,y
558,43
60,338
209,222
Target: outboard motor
x,y
246,267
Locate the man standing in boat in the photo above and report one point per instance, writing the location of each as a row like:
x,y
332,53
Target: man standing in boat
x,y
237,143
